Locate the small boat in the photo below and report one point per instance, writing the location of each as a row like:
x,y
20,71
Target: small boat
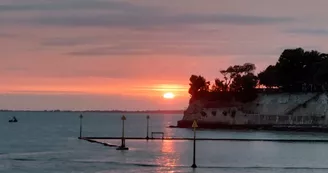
x,y
13,120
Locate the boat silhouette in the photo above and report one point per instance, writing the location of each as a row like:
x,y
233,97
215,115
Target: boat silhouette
x,y
13,120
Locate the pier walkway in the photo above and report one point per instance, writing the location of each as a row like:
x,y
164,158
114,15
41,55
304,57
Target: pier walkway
x,y
94,139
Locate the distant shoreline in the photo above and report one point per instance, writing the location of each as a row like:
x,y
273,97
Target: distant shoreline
x,y
103,111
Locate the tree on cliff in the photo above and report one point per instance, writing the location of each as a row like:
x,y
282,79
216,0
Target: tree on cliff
x,y
245,87
198,85
295,67
295,70
238,79
243,83
268,77
321,75
219,86
233,72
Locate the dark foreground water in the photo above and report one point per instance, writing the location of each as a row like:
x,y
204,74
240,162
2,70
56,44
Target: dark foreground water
x,y
47,142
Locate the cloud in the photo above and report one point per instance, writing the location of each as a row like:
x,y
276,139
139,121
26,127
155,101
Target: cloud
x,y
114,50
66,5
313,32
100,13
62,42
170,48
155,19
7,35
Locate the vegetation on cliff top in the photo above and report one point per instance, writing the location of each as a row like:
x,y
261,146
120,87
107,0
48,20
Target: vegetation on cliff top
x,y
295,71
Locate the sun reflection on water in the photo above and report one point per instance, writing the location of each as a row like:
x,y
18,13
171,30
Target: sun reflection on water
x,y
168,157
167,146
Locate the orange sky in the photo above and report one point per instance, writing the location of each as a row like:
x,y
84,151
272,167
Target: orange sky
x,y
124,54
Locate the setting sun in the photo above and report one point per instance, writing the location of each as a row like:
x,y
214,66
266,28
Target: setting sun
x,y
169,95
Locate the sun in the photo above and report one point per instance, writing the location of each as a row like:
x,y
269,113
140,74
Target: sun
x,y
168,95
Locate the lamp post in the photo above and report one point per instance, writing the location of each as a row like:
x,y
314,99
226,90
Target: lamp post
x,y
122,147
194,125
147,137
81,117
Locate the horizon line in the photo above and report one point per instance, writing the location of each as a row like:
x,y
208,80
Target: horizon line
x,y
114,110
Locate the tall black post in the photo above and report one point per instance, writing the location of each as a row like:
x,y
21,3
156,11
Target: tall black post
x,y
194,125
147,137
123,138
81,116
122,147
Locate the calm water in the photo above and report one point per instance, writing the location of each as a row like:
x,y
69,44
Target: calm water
x,y
47,142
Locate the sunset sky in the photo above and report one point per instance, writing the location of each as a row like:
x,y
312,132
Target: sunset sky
x,y
125,54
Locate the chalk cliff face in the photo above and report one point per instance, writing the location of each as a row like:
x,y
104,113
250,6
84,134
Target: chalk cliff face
x,y
278,108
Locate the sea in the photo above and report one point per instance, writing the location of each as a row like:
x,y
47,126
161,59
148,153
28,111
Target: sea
x,y
47,142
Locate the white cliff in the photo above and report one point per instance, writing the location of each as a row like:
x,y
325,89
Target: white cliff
x,y
278,108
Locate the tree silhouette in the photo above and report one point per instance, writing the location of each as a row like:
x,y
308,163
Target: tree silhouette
x,y
233,72
239,82
219,86
268,77
296,70
198,84
321,75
